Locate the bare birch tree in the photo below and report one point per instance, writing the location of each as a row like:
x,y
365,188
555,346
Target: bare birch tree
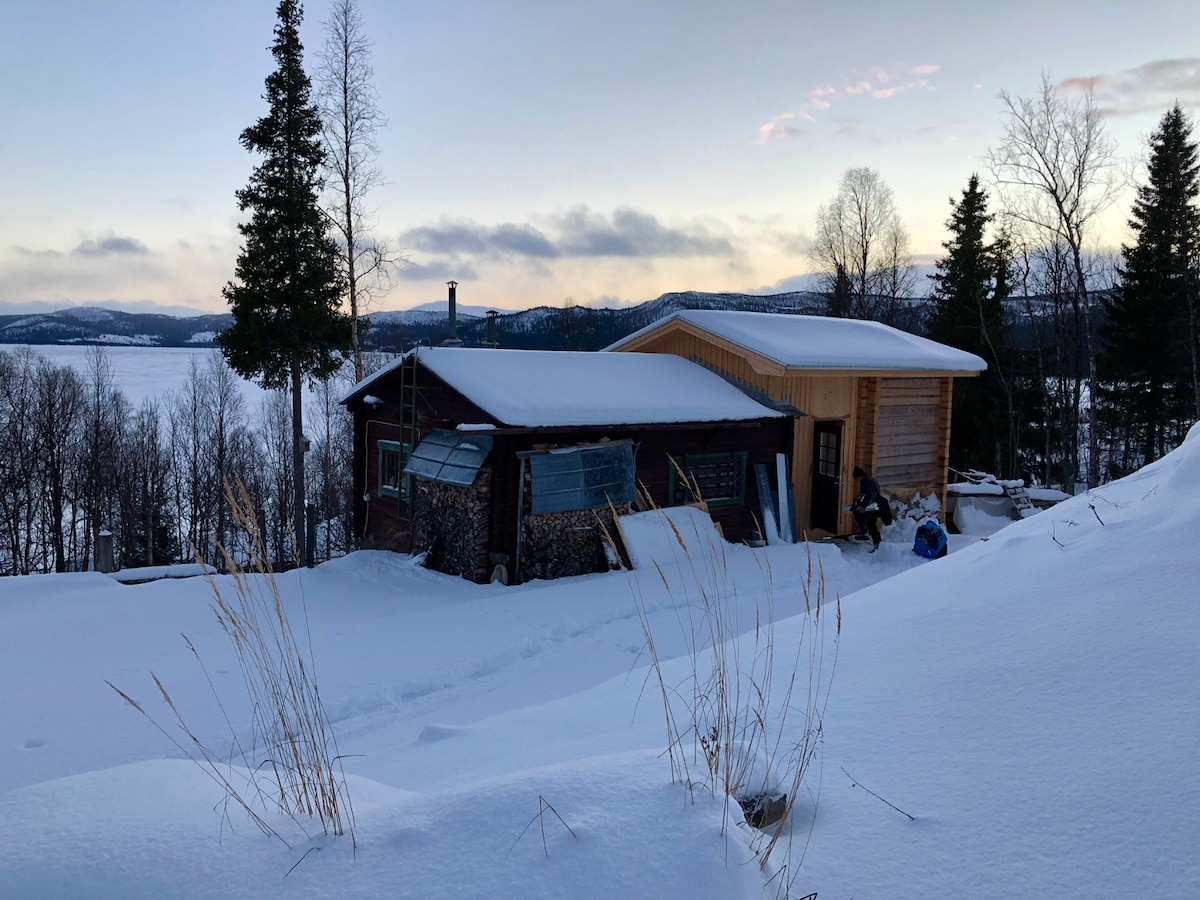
x,y
350,119
18,462
57,421
1056,170
860,234
104,425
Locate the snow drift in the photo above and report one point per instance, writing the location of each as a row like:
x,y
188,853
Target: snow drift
x,y
1030,701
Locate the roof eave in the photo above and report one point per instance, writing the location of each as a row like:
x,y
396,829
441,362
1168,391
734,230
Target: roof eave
x,y
884,372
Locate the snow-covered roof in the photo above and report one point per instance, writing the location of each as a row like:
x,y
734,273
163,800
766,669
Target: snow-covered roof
x,y
818,342
543,388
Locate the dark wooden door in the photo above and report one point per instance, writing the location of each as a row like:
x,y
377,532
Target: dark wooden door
x,y
826,477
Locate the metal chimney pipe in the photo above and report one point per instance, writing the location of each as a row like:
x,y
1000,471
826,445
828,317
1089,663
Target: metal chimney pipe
x,y
453,340
492,341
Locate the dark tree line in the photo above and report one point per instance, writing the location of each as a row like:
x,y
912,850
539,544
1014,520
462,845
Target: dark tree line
x,y
78,463
1149,386
1021,416
1081,384
971,285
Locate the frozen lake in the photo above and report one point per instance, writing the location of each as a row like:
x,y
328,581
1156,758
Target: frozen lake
x,y
142,372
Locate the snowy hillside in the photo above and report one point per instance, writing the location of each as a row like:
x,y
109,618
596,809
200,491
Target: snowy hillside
x,y
1030,701
94,325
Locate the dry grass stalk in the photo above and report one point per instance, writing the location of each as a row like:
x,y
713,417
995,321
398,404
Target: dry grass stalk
x,y
736,715
293,740
543,805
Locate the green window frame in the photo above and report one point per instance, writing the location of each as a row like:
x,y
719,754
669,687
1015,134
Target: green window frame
x,y
393,457
720,478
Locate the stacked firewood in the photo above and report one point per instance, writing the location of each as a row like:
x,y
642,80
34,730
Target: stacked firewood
x,y
452,526
560,544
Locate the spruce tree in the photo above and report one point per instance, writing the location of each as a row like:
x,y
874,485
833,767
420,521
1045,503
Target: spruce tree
x,y
288,281
1147,364
970,287
842,298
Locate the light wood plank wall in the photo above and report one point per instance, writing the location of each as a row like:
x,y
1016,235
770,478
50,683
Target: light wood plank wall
x,y
821,397
912,437
898,428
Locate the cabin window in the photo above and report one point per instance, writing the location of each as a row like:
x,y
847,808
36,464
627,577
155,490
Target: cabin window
x,y
719,479
393,456
828,453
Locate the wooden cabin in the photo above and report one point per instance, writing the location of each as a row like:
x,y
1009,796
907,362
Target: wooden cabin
x,y
511,463
862,393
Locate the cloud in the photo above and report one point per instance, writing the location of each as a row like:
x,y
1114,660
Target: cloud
x,y
524,240
449,238
111,246
879,85
1153,86
441,270
776,129
807,282
107,268
630,233
39,307
578,233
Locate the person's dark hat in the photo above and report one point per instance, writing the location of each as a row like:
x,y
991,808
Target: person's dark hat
x,y
858,473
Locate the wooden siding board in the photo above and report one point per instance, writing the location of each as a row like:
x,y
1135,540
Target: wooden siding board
x,y
896,425
913,435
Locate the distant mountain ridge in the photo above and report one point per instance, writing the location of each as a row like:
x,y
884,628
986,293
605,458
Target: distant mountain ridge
x,y
541,328
94,325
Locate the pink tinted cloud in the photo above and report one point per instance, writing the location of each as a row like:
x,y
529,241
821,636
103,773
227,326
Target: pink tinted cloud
x,y
776,129
1153,86
821,98
1081,84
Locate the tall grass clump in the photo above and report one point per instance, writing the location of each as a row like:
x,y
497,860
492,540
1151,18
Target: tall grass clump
x,y
745,721
290,763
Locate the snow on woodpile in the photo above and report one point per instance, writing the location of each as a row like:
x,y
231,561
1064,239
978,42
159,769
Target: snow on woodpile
x,y
820,342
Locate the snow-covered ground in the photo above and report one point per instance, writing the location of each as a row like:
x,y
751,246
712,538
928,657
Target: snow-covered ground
x,y
1030,701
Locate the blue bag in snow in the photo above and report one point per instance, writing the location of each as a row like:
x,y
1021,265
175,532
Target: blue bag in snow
x,y
931,541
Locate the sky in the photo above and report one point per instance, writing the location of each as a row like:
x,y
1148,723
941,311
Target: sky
x,y
540,151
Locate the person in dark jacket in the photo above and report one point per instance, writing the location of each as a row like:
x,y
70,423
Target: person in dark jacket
x,y
866,508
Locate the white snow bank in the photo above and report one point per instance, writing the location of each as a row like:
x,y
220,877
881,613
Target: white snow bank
x,y
154,573
982,514
1030,700
665,536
